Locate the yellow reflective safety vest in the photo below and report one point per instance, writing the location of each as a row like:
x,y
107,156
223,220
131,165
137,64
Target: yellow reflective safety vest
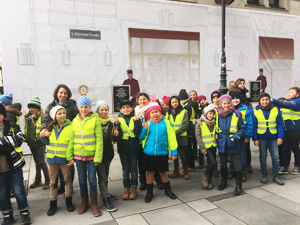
x,y
288,114
177,124
127,130
208,138
233,124
262,123
20,148
243,112
58,147
193,115
37,127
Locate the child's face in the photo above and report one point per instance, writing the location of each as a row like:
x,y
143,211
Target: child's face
x,y
236,101
226,105
60,116
216,101
193,96
210,115
265,101
32,110
174,103
126,109
202,101
103,111
84,110
1,118
292,94
155,114
165,106
143,101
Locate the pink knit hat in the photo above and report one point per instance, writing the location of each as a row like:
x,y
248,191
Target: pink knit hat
x,y
200,97
166,100
153,105
225,98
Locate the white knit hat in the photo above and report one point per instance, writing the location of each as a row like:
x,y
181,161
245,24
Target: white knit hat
x,y
54,110
208,108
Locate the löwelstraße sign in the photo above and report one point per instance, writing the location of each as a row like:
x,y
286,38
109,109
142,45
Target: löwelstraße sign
x,y
85,34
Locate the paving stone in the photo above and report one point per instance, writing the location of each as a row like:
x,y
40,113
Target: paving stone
x,y
219,216
296,180
252,210
132,220
258,192
180,214
201,205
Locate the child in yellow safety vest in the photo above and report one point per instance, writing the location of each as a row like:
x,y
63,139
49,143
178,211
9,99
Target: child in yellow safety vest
x,y
205,131
86,147
32,130
57,137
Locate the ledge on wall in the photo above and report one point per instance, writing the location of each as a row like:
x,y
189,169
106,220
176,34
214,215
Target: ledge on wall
x,y
263,7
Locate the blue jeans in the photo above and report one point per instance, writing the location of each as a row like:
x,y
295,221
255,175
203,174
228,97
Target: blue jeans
x,y
87,169
129,169
273,149
12,180
243,156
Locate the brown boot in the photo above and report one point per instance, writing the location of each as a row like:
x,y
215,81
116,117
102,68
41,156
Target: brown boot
x,y
175,172
133,193
186,174
37,182
126,194
47,184
94,206
84,202
204,181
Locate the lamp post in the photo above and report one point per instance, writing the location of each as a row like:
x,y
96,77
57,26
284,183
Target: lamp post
x,y
223,82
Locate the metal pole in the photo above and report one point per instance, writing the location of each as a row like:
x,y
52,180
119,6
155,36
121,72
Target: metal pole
x,y
223,82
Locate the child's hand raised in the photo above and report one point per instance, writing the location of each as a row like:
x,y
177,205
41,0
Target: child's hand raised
x,y
174,157
136,118
116,132
116,119
154,97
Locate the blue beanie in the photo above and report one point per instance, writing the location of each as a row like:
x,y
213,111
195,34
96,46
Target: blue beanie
x,y
84,101
6,99
99,103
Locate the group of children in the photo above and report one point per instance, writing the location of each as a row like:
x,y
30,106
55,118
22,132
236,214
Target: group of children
x,y
184,125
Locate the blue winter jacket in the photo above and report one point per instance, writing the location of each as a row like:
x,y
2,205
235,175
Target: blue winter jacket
x,y
249,121
159,140
268,135
293,104
225,145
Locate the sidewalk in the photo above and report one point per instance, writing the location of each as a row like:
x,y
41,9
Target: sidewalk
x,y
261,204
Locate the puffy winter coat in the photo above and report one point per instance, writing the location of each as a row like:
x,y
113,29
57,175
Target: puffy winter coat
x,y
249,121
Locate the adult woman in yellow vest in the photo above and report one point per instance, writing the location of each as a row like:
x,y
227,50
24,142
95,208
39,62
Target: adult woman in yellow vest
x,y
231,129
37,148
57,137
180,122
205,131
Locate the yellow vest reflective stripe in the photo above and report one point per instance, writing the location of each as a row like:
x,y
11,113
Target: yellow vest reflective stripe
x,y
37,128
243,112
193,115
20,148
177,124
58,147
208,138
262,123
127,130
84,134
288,114
233,124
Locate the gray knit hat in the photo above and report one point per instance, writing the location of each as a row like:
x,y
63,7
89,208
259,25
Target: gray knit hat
x,y
208,108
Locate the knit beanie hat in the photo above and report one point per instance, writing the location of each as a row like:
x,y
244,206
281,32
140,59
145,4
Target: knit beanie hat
x,y
193,91
34,103
6,99
199,98
125,102
16,106
208,108
215,94
99,103
234,94
166,100
183,95
84,101
263,94
225,98
153,105
54,110
2,110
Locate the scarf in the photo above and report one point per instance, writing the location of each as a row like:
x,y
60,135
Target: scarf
x,y
157,121
139,111
208,122
104,121
266,108
223,112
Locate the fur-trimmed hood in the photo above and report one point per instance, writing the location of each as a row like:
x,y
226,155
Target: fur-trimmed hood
x,y
13,111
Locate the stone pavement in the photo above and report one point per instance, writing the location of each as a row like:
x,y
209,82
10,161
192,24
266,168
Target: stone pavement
x,y
260,204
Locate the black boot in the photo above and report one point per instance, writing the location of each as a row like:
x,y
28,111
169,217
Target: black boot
x,y
108,205
158,181
25,216
238,187
53,208
8,218
168,190
223,184
69,204
149,194
143,184
277,180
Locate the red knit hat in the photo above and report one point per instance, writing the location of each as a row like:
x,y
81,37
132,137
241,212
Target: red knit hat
x,y
153,105
166,100
200,97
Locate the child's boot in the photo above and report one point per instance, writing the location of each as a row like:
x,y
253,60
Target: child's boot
x,y
277,180
210,184
53,208
108,205
126,194
84,203
168,190
25,216
223,184
8,218
143,183
176,171
69,204
186,174
238,187
94,206
204,181
133,193
149,194
47,184
37,182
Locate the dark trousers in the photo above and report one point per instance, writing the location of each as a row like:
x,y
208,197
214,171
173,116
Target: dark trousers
x,y
280,152
211,160
235,159
291,144
248,154
190,153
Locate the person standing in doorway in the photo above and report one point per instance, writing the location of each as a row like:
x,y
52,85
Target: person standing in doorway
x,y
134,85
263,80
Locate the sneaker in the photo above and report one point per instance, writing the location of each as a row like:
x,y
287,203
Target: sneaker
x,y
283,171
25,217
295,171
8,219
